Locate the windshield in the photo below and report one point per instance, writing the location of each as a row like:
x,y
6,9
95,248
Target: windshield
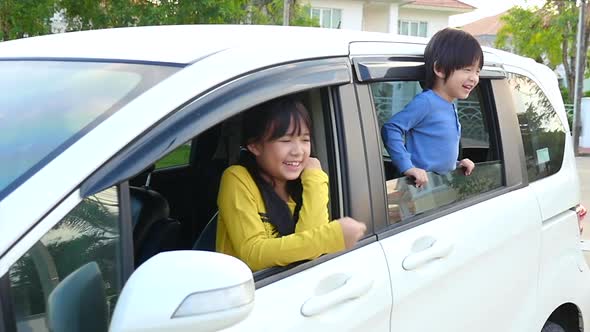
x,y
46,106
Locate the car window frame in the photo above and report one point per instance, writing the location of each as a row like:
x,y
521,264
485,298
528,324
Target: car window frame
x,y
7,320
499,105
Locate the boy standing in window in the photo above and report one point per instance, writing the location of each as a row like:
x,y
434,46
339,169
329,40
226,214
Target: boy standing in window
x,y
429,123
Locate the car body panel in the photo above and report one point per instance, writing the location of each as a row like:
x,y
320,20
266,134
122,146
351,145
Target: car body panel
x,y
493,258
279,305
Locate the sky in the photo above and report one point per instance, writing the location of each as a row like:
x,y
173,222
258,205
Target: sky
x,y
487,8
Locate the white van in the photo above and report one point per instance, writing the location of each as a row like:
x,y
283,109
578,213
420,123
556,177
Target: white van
x,y
112,144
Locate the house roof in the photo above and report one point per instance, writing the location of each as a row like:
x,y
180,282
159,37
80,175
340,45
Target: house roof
x,y
485,26
443,3
448,5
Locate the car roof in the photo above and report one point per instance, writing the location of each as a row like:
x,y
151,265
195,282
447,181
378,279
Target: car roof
x,y
185,44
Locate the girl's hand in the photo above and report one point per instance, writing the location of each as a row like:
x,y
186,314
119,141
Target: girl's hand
x,y
313,163
468,166
352,231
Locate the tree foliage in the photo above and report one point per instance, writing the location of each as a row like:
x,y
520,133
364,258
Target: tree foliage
x,y
22,18
546,34
271,12
190,12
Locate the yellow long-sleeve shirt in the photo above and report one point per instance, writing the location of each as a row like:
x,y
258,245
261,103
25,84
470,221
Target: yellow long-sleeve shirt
x,y
242,233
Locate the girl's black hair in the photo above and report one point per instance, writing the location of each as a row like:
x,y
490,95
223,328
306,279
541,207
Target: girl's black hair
x,y
270,121
450,49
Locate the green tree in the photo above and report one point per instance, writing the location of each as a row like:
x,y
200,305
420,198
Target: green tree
x,y
271,12
92,14
23,18
191,12
546,34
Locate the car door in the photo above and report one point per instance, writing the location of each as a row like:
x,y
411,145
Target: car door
x,y
463,253
351,290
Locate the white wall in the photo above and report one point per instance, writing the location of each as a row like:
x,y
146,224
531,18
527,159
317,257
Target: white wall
x,y
376,18
436,20
393,17
352,11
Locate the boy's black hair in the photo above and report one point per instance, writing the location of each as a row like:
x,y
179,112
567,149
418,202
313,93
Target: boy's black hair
x,y
450,49
267,122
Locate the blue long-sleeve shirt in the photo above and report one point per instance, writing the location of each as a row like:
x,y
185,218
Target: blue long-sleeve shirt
x,y
432,132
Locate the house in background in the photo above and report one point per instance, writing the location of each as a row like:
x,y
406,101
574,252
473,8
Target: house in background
x,y
486,30
414,18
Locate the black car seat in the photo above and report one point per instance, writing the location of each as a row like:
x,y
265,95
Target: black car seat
x,y
153,230
210,164
217,148
206,240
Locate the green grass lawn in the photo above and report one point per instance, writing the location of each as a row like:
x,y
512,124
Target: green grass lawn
x,y
178,157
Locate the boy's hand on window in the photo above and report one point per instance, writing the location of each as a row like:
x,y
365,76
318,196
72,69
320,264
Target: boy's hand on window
x,y
313,163
419,175
468,166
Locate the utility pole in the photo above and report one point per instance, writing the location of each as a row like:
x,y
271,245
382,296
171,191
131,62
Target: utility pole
x,y
286,11
581,47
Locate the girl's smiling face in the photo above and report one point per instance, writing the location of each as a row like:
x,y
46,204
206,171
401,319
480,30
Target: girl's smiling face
x,y
283,159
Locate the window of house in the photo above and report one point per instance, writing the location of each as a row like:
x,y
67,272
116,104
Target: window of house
x,y
412,28
82,249
327,17
543,134
404,200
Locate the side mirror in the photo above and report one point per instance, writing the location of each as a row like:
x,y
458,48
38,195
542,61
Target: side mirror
x,y
185,291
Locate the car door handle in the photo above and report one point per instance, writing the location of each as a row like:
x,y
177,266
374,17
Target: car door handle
x,y
353,287
438,250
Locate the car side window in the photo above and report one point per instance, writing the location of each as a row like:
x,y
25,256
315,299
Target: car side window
x,y
226,149
478,143
75,265
543,134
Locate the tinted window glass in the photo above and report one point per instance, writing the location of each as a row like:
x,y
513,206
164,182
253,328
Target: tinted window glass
x,y
404,200
543,134
52,104
88,237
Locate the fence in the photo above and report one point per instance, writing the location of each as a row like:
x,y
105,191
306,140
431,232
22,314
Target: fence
x,y
569,109
469,112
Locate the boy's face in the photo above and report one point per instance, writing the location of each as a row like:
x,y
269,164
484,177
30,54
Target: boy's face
x,y
459,84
